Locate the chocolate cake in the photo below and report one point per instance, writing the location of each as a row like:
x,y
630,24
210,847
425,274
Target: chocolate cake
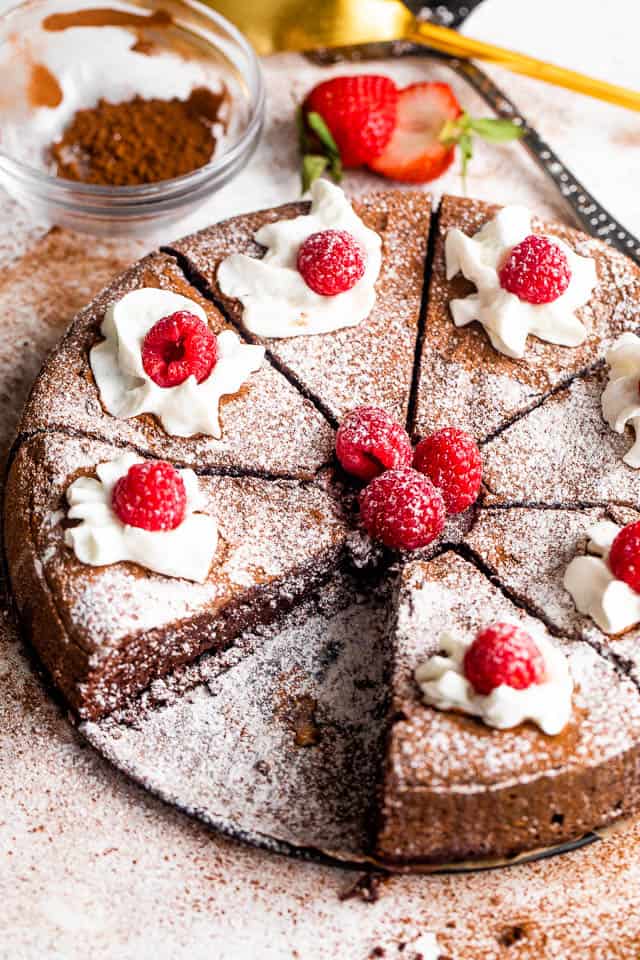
x,y
454,789
450,787
294,438
464,381
368,364
578,457
528,550
104,633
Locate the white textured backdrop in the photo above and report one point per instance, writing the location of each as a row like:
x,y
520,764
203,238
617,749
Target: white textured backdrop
x,y
89,864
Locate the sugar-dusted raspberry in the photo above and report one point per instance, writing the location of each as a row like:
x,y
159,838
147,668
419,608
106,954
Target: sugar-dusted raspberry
x,y
624,556
536,270
369,441
451,458
151,496
402,509
331,262
503,653
177,347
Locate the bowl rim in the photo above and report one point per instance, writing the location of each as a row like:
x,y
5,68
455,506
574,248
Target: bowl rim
x,y
147,193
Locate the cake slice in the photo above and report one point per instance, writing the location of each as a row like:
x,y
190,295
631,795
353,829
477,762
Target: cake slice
x,y
455,789
105,632
267,427
528,550
464,381
371,363
563,452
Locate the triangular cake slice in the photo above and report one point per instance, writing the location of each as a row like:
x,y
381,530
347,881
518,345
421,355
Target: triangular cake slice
x,y
563,452
105,632
454,789
463,381
268,427
528,550
371,363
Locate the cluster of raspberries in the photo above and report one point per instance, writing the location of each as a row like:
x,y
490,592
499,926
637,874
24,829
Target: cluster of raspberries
x,y
409,492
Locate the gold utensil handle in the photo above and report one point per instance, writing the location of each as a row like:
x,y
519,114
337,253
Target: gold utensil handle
x,y
457,45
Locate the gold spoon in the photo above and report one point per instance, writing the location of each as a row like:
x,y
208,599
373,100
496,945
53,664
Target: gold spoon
x,y
277,25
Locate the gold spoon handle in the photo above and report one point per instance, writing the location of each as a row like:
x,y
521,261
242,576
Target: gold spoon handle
x,y
457,45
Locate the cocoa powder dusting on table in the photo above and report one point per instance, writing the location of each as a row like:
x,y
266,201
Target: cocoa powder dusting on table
x,y
139,141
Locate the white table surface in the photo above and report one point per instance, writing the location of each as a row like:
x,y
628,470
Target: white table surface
x,y
90,866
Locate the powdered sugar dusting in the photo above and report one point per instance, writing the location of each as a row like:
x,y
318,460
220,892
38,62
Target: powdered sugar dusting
x,y
266,427
450,594
578,457
368,364
452,763
298,717
118,602
85,844
529,551
465,381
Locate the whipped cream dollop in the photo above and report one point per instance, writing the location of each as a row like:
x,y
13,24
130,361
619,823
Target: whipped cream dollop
x,y
127,390
101,538
507,319
444,686
277,302
621,396
611,603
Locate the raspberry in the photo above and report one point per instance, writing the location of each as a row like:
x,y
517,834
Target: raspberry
x,y
451,459
624,556
503,653
151,496
536,270
177,347
369,442
402,509
331,262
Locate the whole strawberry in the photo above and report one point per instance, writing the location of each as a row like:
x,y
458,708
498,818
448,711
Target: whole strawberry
x,y
359,113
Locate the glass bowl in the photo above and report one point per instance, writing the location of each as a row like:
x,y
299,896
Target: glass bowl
x,y
183,46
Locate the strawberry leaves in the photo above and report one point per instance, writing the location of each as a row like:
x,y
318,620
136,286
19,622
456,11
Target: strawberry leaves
x,y
313,166
461,131
495,130
319,150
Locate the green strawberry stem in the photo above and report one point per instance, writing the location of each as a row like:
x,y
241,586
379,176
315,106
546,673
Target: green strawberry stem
x,y
313,133
460,132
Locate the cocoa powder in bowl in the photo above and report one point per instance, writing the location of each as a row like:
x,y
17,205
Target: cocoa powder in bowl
x,y
139,141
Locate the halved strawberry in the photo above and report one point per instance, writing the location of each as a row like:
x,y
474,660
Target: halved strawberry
x,y
360,112
414,153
